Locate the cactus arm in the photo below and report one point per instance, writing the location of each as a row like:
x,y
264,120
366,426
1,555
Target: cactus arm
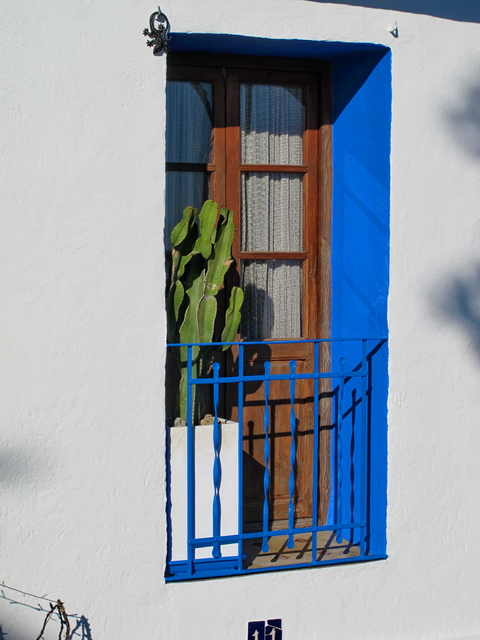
x,y
208,219
182,236
174,301
232,316
180,231
189,327
201,257
178,296
182,396
187,250
207,312
189,333
219,264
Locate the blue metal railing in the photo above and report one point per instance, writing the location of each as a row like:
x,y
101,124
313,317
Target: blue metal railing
x,y
201,541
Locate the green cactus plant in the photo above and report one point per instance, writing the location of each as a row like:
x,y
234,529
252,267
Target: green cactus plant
x,y
201,257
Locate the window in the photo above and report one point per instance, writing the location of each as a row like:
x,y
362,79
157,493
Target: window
x,y
255,136
258,141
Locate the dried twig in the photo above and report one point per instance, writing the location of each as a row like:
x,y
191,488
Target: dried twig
x,y
64,621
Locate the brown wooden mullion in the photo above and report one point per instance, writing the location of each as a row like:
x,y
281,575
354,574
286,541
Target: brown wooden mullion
x,y
310,215
190,166
273,255
232,142
325,201
274,168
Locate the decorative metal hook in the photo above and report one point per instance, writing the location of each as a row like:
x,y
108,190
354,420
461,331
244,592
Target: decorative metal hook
x,y
160,35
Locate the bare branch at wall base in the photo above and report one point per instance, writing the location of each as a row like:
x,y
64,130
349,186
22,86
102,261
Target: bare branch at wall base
x,y
64,621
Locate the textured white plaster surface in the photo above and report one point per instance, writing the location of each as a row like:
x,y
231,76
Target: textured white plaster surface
x,y
82,508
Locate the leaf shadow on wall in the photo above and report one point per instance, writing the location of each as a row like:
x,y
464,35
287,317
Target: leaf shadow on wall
x,y
19,466
456,296
464,118
457,300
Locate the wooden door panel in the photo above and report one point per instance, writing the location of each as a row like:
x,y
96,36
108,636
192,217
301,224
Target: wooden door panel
x,y
305,255
227,74
280,441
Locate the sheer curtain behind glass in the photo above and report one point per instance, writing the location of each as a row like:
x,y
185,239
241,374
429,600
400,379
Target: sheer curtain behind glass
x,y
272,122
189,140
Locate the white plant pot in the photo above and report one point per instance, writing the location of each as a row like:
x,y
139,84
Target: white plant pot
x,y
204,458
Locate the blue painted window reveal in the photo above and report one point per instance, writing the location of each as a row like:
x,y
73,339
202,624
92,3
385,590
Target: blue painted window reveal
x,y
346,379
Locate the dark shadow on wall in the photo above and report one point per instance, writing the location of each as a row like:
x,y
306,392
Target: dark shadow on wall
x,y
456,297
19,466
464,119
8,632
459,10
457,300
82,629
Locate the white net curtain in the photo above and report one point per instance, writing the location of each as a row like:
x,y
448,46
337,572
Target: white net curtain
x,y
272,122
272,221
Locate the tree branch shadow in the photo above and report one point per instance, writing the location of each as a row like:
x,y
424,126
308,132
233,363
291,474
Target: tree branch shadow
x,y
457,300
80,626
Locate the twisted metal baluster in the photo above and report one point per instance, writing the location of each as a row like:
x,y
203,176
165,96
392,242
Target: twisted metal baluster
x,y
316,438
190,465
340,446
266,457
241,369
217,465
364,464
293,452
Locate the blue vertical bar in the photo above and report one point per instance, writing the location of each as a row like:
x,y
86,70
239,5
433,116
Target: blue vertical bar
x,y
266,457
190,466
217,465
241,356
316,447
363,462
340,448
293,453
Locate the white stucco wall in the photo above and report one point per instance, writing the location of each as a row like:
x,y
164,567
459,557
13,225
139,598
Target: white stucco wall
x,y
82,508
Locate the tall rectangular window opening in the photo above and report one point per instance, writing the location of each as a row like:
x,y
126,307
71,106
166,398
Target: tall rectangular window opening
x,y
254,135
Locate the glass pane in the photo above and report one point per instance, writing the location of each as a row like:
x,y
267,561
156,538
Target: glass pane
x,y
272,122
183,188
273,294
271,212
189,121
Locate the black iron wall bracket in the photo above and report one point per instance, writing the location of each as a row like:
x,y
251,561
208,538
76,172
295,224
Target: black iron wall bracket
x,y
159,32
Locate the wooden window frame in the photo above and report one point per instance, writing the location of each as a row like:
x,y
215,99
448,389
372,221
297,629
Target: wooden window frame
x,y
225,72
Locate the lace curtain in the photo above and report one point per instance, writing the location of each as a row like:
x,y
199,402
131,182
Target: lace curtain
x,y
272,122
